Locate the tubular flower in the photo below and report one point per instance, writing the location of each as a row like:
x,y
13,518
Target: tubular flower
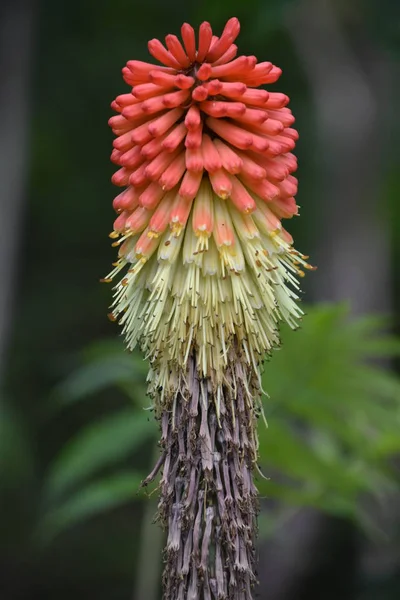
x,y
207,273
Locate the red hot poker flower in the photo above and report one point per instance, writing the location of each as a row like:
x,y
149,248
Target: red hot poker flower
x,y
197,141
206,161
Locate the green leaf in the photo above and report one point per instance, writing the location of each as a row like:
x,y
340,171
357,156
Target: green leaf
x,y
92,500
333,418
106,366
282,449
101,444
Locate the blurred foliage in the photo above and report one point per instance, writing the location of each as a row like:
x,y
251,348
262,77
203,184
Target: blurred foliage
x,y
334,409
334,420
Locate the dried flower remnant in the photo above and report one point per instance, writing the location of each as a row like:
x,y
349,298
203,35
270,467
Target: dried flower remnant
x,y
207,272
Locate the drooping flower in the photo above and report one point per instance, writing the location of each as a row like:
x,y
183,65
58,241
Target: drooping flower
x,y
208,272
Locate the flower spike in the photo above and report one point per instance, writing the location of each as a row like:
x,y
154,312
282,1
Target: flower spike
x,y
205,273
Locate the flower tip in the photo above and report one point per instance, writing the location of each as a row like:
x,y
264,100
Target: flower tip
x,y
200,93
204,72
224,193
205,39
233,26
176,49
189,41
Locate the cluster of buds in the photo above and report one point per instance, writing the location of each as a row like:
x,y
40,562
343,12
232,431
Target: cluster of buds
x,y
206,161
207,167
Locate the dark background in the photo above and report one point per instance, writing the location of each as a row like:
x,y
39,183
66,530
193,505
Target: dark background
x,y
74,439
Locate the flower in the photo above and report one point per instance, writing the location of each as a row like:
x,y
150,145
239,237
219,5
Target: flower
x,y
207,274
206,162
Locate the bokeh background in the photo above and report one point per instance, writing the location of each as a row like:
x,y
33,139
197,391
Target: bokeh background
x,y
75,441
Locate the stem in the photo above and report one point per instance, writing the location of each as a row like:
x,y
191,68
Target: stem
x,y
208,499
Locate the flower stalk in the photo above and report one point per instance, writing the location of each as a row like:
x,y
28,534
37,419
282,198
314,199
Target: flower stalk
x,y
208,499
208,272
